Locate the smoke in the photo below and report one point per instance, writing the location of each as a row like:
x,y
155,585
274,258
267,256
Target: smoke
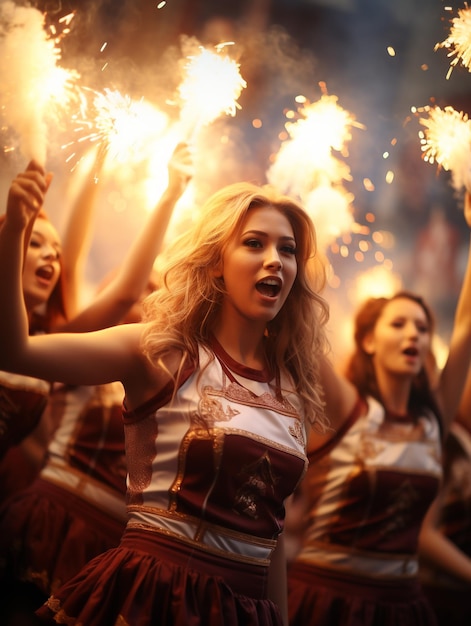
x,y
30,79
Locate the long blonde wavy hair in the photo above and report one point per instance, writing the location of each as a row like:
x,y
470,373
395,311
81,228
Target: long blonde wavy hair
x,y
181,313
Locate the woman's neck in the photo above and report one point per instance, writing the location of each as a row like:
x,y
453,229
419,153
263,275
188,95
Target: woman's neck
x,y
247,348
395,393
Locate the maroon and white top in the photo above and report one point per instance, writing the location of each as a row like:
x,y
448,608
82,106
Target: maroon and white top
x,y
22,402
369,489
455,512
86,455
213,465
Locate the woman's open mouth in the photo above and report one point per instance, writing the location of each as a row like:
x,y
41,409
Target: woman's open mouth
x,y
269,287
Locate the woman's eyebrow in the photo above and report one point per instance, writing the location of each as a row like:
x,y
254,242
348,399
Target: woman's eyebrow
x,y
39,235
262,233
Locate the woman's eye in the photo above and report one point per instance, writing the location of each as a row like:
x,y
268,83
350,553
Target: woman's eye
x,y
34,244
253,243
289,249
397,324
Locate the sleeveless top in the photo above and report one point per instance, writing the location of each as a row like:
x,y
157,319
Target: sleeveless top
x,y
22,402
368,492
455,514
86,455
213,464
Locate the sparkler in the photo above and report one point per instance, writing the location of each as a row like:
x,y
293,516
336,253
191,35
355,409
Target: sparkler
x,y
124,128
306,165
32,86
447,142
458,42
211,87
329,208
376,282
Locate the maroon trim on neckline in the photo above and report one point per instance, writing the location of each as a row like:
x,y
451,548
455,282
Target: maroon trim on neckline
x,y
262,376
398,418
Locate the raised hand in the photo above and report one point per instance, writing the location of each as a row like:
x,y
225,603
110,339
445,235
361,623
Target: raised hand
x,y
467,207
180,168
26,194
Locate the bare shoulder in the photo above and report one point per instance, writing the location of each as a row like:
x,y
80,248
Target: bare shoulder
x,y
145,379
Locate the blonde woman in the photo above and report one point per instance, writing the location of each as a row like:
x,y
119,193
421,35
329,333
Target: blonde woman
x,y
219,380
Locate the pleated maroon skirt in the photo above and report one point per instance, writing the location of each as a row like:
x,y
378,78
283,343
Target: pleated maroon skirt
x,y
320,597
47,534
153,580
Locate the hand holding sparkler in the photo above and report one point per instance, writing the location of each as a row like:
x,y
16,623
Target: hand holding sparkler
x,y
26,194
180,168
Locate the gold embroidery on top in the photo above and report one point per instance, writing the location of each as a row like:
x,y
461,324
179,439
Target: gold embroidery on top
x,y
370,448
211,410
140,438
402,502
259,480
238,393
297,432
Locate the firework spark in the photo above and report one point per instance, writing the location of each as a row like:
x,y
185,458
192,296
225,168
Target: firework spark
x,y
447,142
211,88
458,42
326,121
376,282
126,129
329,208
32,85
306,165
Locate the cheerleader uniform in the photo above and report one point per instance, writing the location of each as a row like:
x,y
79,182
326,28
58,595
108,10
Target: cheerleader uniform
x,y
208,472
448,595
368,489
22,403
75,509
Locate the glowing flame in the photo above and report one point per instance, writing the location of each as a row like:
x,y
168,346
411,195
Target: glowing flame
x,y
326,122
377,282
211,87
30,80
329,208
447,141
125,128
440,349
307,167
458,42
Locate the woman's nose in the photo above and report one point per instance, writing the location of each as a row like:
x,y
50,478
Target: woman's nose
x,y
49,252
272,259
412,330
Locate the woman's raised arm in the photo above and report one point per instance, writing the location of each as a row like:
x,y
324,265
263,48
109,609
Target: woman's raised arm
x,y
453,377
